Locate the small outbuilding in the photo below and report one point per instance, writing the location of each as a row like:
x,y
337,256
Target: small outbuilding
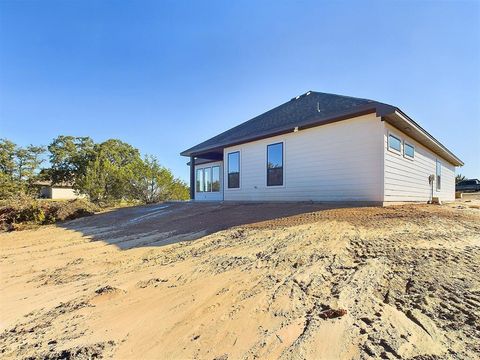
x,y
61,191
324,147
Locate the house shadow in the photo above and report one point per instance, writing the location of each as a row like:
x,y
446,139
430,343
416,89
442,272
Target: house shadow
x,y
168,223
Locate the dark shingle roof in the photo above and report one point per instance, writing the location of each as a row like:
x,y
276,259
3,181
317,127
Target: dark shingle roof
x,y
309,109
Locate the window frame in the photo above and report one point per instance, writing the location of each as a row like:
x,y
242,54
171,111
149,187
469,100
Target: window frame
x,y
209,168
398,152
202,185
405,144
438,178
283,165
219,179
239,170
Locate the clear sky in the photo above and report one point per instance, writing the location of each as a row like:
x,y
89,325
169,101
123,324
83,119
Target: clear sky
x,y
166,75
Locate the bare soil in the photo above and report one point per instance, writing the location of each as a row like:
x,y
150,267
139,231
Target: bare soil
x,y
275,281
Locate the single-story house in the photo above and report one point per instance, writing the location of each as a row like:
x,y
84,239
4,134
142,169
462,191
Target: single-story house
x,y
62,191
324,147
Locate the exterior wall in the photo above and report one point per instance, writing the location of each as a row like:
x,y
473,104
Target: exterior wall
x,y
63,193
341,161
209,196
407,180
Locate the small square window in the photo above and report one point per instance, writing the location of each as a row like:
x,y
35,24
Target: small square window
x,y
408,150
394,143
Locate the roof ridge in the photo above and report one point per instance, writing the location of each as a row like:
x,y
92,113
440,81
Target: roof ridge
x,y
342,96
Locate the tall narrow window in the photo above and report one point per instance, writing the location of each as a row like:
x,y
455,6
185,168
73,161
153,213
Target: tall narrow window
x,y
208,179
439,175
199,180
275,164
234,170
216,178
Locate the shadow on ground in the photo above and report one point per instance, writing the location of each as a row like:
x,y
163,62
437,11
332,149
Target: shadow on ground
x,y
167,223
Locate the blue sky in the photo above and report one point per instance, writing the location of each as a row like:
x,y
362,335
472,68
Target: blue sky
x,y
166,75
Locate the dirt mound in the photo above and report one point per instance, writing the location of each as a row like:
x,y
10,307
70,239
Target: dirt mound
x,y
393,283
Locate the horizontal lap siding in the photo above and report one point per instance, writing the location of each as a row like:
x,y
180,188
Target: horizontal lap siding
x,y
336,162
407,180
64,193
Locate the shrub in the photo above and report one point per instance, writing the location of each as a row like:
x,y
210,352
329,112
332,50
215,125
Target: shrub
x,y
26,210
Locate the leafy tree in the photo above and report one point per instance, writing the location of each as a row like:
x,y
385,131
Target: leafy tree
x,y
10,187
107,175
179,190
28,161
459,178
8,150
18,167
106,172
151,182
69,158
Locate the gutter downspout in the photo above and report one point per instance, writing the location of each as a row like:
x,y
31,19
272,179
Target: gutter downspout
x,y
192,178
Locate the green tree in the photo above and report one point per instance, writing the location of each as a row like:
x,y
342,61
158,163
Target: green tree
x,y
10,187
179,190
107,175
8,150
19,167
28,161
69,158
151,182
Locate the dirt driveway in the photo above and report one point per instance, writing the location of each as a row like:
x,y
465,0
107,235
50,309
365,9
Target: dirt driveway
x,y
401,282
163,224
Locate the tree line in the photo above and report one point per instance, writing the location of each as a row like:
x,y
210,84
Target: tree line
x,y
106,172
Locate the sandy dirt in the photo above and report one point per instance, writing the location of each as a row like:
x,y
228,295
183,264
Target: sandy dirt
x,y
268,281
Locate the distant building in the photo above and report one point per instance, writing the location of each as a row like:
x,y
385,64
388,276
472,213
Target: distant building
x,y
62,191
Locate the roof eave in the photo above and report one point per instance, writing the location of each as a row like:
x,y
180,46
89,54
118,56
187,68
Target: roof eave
x,y
321,121
403,122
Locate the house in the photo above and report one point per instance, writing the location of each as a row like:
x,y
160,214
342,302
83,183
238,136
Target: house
x,y
324,147
62,191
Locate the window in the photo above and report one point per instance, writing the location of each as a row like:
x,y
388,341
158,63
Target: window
x,y
216,178
208,179
408,150
439,175
394,143
234,170
275,164
199,182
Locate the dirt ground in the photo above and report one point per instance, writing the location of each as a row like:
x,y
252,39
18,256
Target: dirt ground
x,y
269,281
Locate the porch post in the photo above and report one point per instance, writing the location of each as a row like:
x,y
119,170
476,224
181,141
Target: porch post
x,y
192,177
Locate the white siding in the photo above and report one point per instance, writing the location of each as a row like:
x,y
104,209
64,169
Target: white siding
x,y
64,193
209,196
342,161
407,180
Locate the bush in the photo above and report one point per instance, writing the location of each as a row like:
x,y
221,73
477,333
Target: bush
x,y
28,211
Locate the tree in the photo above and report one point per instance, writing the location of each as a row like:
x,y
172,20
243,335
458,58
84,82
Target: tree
x,y
151,182
28,161
107,175
179,190
459,178
18,167
8,150
69,158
